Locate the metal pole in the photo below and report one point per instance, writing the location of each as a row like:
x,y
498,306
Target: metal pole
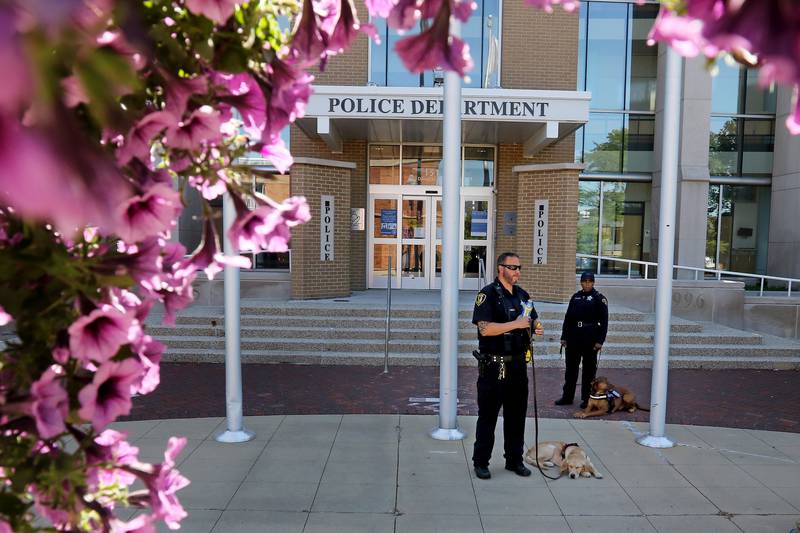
x,y
666,252
233,364
388,316
451,210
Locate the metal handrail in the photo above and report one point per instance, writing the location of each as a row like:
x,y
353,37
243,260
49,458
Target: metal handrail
x,y
716,272
481,272
388,316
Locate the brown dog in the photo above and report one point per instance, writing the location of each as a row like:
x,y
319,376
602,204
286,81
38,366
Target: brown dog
x,y
567,457
607,398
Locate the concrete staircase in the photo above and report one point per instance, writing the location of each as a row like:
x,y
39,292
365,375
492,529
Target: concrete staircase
x,y
333,333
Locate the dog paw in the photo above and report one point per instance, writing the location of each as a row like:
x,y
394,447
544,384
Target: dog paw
x,y
585,474
579,414
598,475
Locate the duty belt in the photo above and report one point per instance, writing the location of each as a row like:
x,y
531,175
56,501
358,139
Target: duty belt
x,y
503,358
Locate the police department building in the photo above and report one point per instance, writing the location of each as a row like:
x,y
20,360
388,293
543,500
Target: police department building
x,y
561,130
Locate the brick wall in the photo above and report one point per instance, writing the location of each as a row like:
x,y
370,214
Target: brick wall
x,y
353,152
540,50
351,67
555,281
311,277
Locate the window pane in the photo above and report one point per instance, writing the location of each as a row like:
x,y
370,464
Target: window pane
x,y
472,33
588,218
725,88
725,228
584,10
276,186
579,144
603,143
722,149
622,231
605,70
476,220
472,257
384,224
270,260
478,166
377,58
414,219
758,100
758,143
381,253
422,165
384,164
643,60
744,228
711,226
491,44
639,139
396,73
413,261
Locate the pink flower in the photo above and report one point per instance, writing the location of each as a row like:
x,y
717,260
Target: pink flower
x,y
278,154
291,89
16,87
99,335
60,355
217,10
405,14
49,404
210,188
5,318
266,228
202,127
111,447
108,396
180,90
137,142
248,98
149,352
547,5
435,47
162,482
149,214
379,8
141,524
4,527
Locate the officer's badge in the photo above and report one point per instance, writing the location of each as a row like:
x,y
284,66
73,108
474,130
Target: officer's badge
x,y
589,298
480,299
605,301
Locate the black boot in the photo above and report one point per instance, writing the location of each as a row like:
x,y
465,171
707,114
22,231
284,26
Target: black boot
x,y
563,401
519,469
482,472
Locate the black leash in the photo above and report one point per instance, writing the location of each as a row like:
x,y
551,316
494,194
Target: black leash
x,y
536,409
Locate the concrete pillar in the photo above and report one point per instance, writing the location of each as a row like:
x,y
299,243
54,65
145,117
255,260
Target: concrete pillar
x,y
783,256
693,176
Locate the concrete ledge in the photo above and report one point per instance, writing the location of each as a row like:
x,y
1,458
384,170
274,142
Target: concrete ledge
x,y
324,162
549,166
774,315
719,301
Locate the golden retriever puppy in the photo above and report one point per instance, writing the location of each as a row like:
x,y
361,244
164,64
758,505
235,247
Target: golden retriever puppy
x,y
607,398
566,457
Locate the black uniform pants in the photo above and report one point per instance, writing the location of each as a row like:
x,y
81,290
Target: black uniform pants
x,y
510,393
578,353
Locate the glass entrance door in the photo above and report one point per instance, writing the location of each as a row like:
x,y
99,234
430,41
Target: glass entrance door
x,y
408,229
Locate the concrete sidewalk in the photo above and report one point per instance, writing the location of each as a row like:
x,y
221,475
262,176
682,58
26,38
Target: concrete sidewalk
x,y
382,473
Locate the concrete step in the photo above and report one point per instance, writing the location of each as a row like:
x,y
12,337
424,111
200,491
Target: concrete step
x,y
431,347
379,322
402,334
405,359
329,310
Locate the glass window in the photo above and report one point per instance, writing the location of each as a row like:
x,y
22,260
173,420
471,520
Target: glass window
x,y
622,228
472,257
758,100
643,61
605,53
384,164
588,223
384,225
476,220
603,142
639,139
481,33
738,228
478,166
758,144
723,154
725,88
422,165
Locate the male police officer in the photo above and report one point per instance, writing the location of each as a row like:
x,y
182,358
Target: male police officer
x,y
504,339
583,334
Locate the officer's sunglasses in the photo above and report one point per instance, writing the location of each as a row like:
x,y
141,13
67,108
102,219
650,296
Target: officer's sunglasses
x,y
511,267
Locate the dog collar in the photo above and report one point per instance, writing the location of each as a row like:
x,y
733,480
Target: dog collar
x,y
564,451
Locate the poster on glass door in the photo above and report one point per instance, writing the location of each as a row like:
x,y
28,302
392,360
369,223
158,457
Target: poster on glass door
x,y
479,225
389,222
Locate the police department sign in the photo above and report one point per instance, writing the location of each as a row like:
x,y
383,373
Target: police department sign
x,y
326,228
496,105
541,209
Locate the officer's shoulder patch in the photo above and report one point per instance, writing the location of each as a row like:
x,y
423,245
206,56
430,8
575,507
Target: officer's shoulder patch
x,y
605,301
480,299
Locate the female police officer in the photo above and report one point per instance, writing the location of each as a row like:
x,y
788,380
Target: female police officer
x,y
503,337
583,334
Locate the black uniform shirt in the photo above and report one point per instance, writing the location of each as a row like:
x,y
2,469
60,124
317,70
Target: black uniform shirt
x,y
586,319
489,307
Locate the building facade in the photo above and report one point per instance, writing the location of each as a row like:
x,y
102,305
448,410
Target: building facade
x,y
561,125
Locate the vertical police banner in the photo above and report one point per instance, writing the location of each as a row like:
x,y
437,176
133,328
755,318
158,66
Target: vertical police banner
x,y
540,219
326,228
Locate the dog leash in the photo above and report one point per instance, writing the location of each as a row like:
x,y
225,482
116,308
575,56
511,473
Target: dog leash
x,y
536,409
